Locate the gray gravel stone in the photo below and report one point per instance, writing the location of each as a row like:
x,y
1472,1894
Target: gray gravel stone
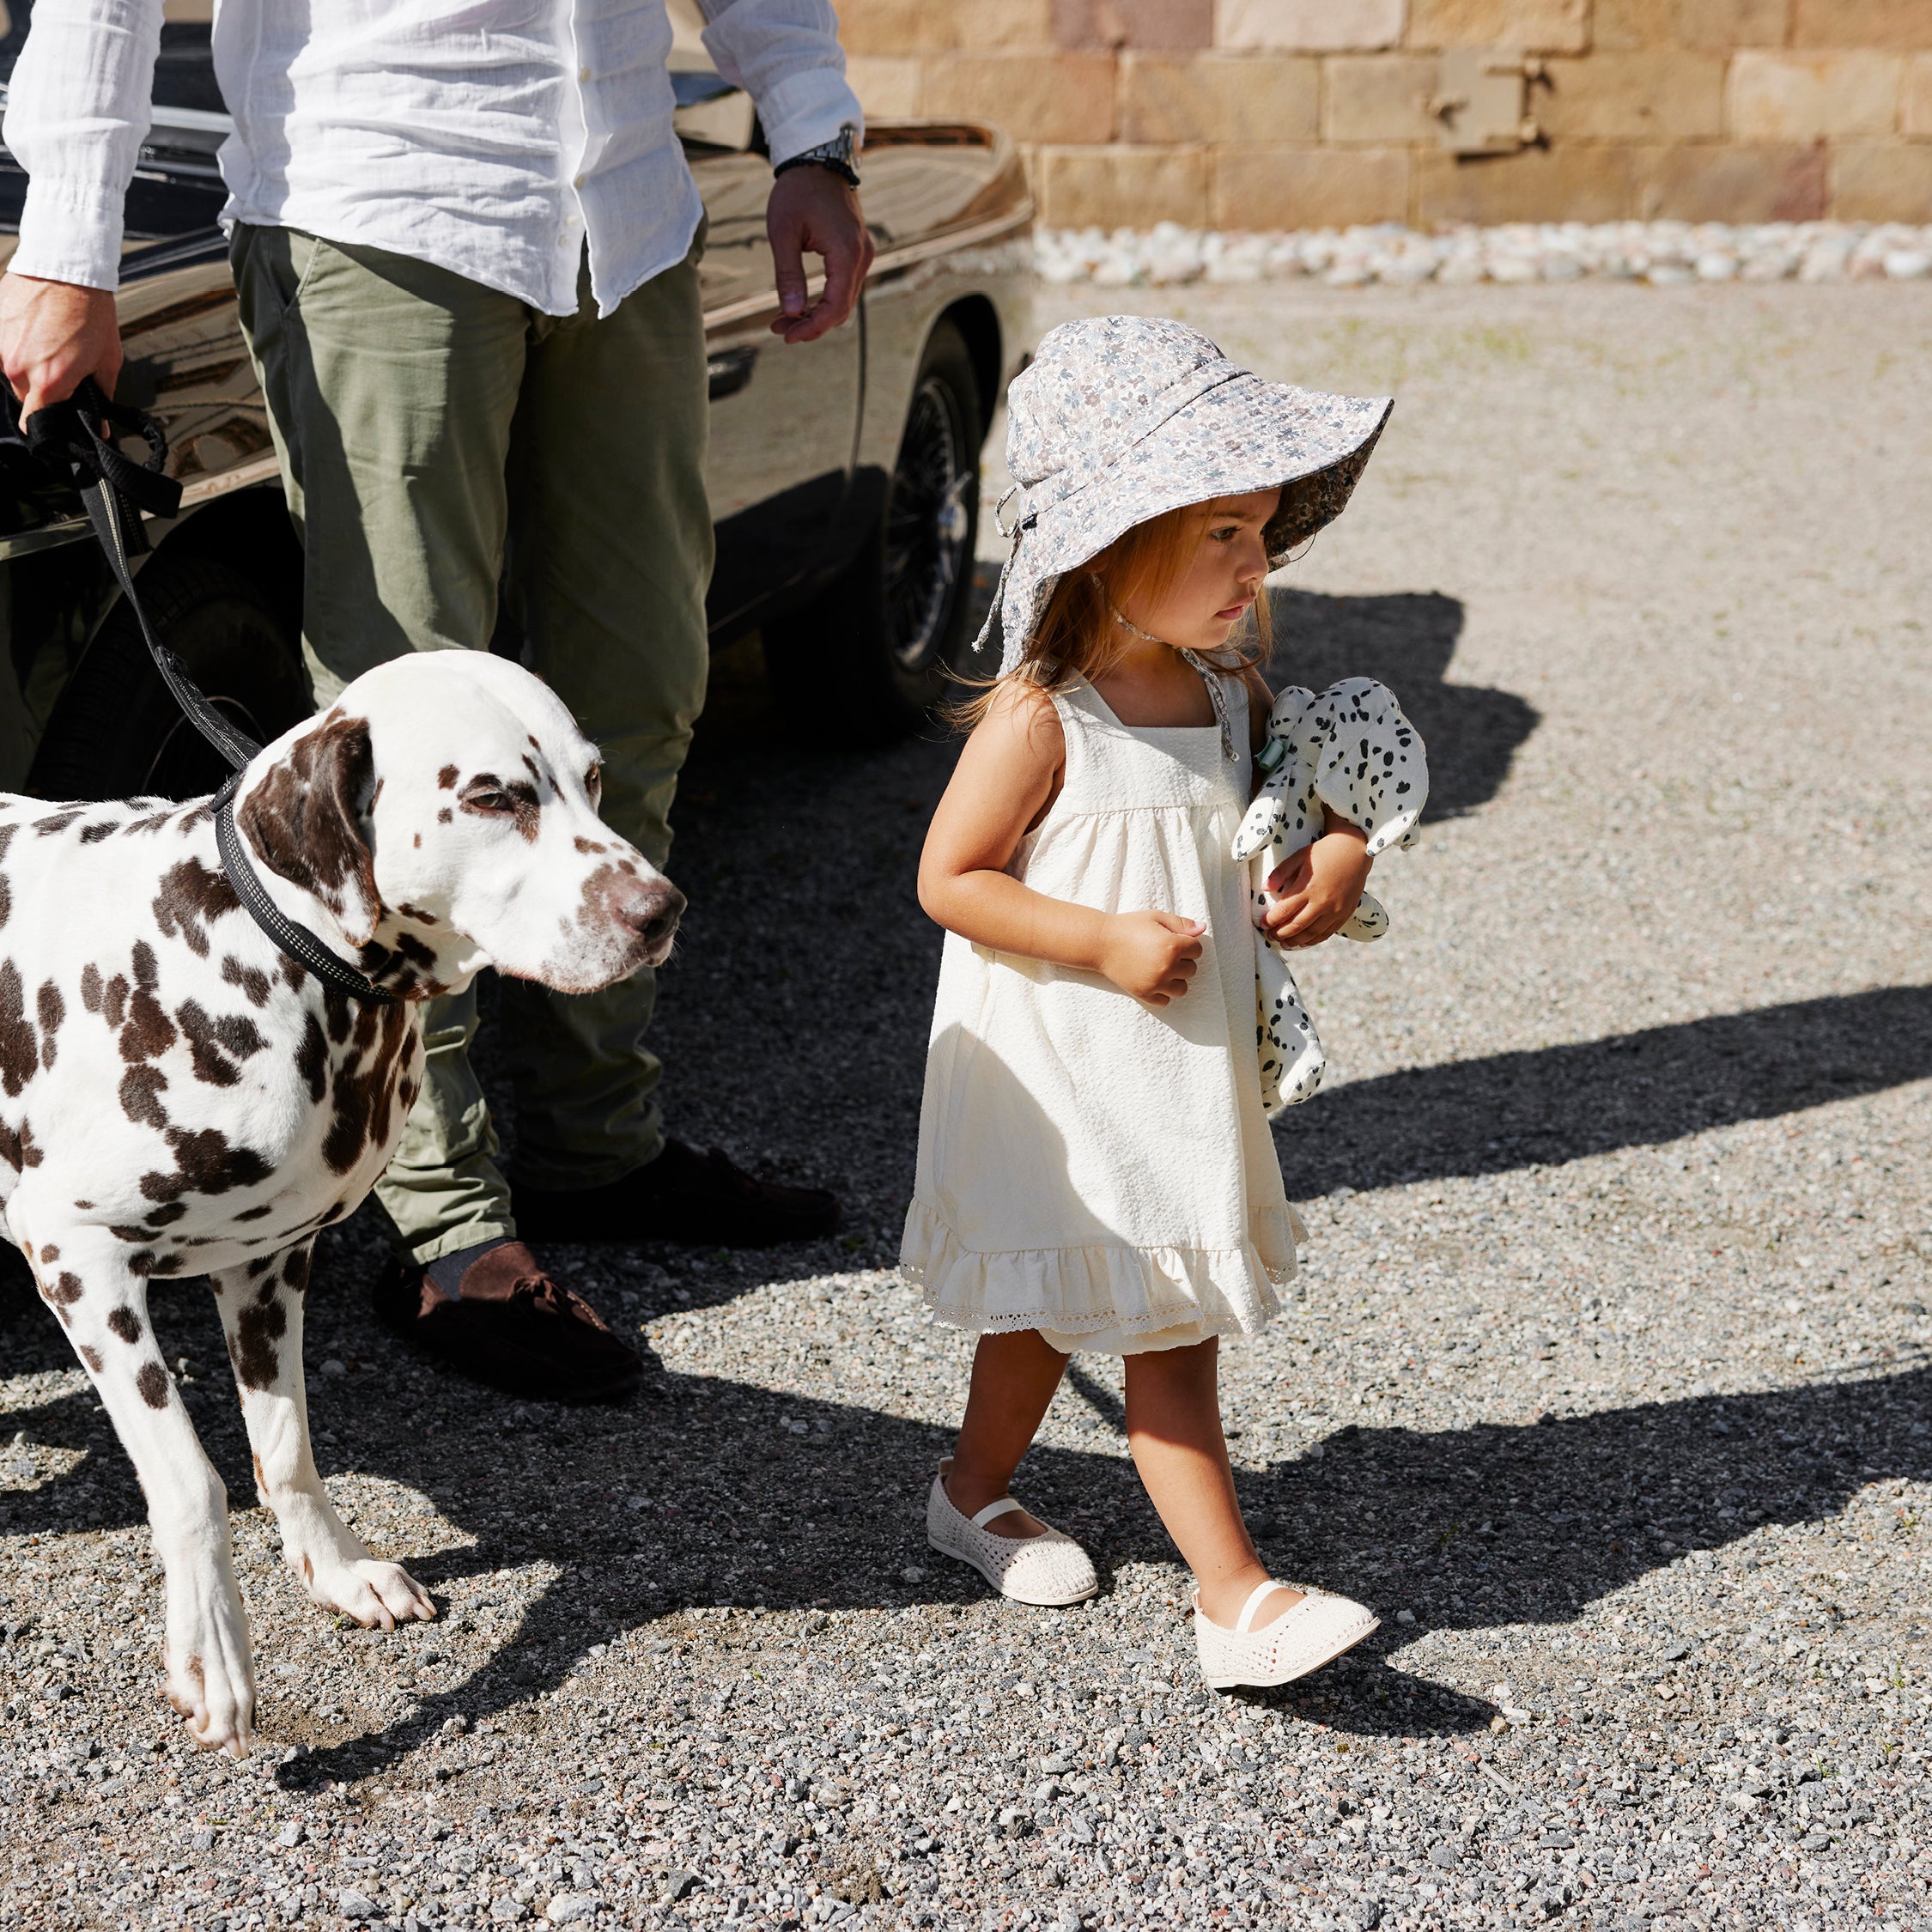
x,y
1627,1137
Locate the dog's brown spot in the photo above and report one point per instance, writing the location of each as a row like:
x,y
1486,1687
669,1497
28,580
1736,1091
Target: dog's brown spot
x,y
66,1291
59,821
217,1043
191,896
444,816
341,1012
295,1269
153,1385
149,1032
258,1328
305,816
53,1009
206,1164
85,1206
113,1001
19,1046
193,819
312,1057
159,1217
364,1088
261,1481
141,1090
91,1356
417,838
445,778
254,982
125,1323
90,986
49,1252
590,846
292,971
256,1213
93,834
417,914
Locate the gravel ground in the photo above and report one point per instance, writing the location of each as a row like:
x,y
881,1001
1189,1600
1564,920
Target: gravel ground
x,y
1606,1383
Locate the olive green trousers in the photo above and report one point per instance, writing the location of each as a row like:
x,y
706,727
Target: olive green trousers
x,y
438,440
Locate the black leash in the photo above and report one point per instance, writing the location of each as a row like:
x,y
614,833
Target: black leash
x,y
71,438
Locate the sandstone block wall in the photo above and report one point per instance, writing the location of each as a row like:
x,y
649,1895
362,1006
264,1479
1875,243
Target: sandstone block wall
x,y
1303,113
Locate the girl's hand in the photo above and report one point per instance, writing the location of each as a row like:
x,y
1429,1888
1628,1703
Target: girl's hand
x,y
1151,955
1319,888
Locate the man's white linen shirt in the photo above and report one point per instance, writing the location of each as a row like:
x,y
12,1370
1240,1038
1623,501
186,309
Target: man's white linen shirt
x,y
493,138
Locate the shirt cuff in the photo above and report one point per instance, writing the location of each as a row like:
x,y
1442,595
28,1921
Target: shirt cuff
x,y
807,110
69,231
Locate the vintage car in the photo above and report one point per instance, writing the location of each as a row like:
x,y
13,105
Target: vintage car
x,y
843,476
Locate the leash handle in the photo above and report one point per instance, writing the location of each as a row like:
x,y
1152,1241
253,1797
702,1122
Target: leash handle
x,y
72,437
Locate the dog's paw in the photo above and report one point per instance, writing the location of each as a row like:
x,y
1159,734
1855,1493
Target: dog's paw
x,y
211,1684
376,1595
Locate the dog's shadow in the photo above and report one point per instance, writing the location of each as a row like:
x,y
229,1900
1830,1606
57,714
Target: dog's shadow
x,y
1477,1526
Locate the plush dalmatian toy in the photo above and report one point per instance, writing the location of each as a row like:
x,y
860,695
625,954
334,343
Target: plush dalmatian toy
x,y
1352,750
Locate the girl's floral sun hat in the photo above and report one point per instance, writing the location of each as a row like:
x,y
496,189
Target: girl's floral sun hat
x,y
1121,417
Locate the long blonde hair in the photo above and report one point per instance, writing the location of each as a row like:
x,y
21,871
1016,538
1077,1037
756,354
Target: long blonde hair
x,y
1078,635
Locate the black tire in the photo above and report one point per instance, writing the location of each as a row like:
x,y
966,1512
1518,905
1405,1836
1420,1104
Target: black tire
x,y
116,732
870,656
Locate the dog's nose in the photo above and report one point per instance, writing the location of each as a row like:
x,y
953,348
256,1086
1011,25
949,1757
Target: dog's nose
x,y
652,913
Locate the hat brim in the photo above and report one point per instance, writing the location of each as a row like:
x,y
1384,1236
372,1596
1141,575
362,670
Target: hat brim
x,y
1242,435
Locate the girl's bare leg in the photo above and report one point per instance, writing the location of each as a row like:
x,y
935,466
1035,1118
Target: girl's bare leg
x,y
1014,1378
1174,1428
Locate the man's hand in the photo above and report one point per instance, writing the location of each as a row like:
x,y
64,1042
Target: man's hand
x,y
53,335
1319,889
1151,955
815,211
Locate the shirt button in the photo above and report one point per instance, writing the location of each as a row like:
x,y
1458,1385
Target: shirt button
x,y
583,73
578,183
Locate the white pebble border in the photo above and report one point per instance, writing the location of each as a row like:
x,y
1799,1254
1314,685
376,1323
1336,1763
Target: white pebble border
x,y
1662,253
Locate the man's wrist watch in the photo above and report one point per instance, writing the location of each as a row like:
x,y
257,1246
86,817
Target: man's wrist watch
x,y
841,155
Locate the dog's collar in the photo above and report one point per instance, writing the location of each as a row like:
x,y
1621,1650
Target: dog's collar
x,y
301,944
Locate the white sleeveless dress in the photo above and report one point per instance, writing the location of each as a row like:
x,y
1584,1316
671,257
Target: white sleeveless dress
x,y
1089,1166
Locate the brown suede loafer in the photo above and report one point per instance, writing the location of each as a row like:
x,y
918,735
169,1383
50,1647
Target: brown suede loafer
x,y
512,1326
683,1195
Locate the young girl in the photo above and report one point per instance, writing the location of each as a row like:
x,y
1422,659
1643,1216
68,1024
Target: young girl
x,y
1095,1166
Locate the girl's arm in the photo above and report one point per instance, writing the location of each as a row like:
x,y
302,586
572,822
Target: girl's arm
x,y
1320,886
1007,775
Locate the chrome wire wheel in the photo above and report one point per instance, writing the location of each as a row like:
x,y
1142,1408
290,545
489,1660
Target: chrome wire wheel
x,y
928,526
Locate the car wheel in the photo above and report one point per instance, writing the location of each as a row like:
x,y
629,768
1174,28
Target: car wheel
x,y
116,732
869,657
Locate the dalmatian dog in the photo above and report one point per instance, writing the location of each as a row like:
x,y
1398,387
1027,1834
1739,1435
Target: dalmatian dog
x,y
1352,750
179,1096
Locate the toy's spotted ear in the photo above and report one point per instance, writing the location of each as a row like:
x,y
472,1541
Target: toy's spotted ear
x,y
307,819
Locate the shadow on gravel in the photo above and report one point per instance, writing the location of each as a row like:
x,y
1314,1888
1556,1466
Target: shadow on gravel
x,y
1407,640
1564,1104
763,1498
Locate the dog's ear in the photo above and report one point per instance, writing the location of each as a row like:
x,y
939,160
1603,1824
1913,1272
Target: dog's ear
x,y
307,819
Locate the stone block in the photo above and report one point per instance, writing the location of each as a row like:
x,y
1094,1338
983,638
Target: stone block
x,y
1219,97
1127,23
1812,96
1534,26
1623,25
904,26
1309,26
1736,184
1538,184
887,85
1875,183
1725,24
1308,187
1915,103
1378,97
1896,24
1118,186
1058,98
1663,94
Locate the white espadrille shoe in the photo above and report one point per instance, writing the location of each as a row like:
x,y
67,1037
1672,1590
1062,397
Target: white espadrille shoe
x,y
1318,1628
1048,1569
